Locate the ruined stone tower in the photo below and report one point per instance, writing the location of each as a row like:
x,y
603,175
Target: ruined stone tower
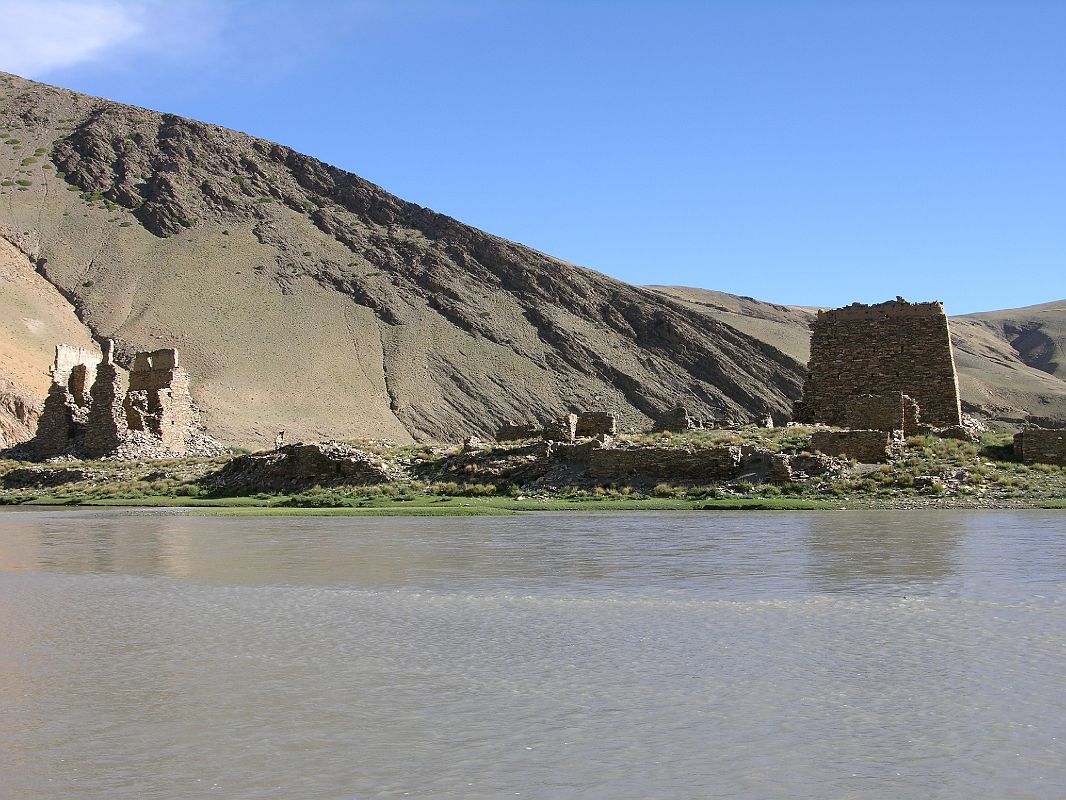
x,y
66,408
896,351
153,416
158,401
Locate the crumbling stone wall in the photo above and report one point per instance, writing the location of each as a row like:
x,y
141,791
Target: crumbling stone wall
x,y
882,412
677,420
1039,446
562,430
869,447
151,417
884,349
514,431
586,425
158,401
66,408
595,423
648,465
105,428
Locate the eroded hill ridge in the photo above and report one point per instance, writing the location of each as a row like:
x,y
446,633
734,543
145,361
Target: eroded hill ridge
x,y
263,264
305,298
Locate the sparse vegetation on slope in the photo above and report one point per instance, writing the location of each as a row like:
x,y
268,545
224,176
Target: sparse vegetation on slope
x,y
307,299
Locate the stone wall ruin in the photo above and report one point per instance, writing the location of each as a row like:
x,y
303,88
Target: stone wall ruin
x,y
883,350
66,408
150,416
158,401
868,447
1040,446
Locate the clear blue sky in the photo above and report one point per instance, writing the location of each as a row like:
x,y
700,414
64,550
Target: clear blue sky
x,y
800,152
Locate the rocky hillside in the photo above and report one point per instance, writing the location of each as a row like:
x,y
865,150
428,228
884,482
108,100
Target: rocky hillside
x,y
304,298
1011,364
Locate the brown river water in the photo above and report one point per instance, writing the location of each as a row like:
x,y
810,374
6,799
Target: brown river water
x,y
642,655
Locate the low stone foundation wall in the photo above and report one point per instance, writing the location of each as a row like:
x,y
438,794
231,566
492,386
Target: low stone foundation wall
x,y
299,466
869,447
595,423
1038,446
515,432
649,465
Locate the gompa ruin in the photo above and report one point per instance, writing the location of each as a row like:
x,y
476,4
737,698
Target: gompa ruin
x,y
147,414
887,366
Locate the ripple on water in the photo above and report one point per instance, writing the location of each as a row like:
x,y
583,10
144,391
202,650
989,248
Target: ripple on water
x,y
589,682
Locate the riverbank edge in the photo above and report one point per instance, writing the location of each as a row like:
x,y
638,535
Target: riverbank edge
x,y
447,506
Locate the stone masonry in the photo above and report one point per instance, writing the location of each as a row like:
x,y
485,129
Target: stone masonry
x,y
595,423
868,447
152,416
1039,446
66,408
882,412
881,350
677,420
105,428
649,465
515,431
158,401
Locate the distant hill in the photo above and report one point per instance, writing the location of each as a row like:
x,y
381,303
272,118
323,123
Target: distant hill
x,y
305,298
1011,364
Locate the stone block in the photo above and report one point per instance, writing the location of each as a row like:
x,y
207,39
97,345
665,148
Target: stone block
x,y
677,420
651,465
563,430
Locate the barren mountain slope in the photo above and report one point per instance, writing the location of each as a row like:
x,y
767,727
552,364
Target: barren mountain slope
x,y
785,327
305,298
1011,364
35,316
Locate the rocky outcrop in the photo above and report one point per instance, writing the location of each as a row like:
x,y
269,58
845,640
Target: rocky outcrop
x,y
41,477
299,466
18,415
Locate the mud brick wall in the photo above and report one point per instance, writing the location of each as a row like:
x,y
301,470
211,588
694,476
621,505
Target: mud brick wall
x,y
883,349
650,465
869,447
595,423
1037,446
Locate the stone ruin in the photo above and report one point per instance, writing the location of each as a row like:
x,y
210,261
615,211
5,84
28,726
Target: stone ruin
x,y
875,366
881,372
66,408
1041,446
677,420
150,416
569,428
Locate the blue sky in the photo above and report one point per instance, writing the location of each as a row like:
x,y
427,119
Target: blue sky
x,y
801,152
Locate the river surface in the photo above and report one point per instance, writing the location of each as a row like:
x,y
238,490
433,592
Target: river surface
x,y
716,655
